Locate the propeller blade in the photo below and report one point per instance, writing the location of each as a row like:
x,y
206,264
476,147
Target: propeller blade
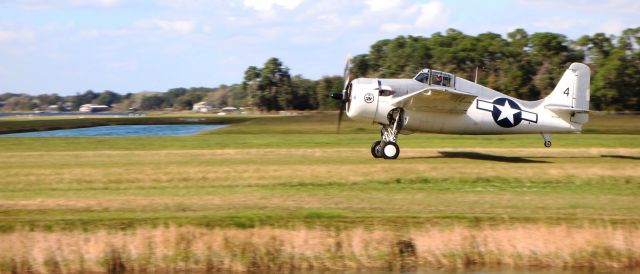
x,y
340,114
344,96
345,73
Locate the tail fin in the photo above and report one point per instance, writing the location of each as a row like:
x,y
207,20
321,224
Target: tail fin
x,y
571,95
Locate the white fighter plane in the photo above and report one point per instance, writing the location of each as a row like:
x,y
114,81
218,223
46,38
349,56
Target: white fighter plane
x,y
440,102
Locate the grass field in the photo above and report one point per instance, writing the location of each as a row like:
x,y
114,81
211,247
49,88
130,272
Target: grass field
x,y
282,176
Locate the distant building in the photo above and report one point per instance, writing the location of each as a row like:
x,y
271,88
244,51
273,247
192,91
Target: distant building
x,y
67,106
202,107
53,108
227,110
93,108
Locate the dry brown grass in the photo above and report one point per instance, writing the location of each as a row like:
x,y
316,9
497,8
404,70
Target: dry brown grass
x,y
279,250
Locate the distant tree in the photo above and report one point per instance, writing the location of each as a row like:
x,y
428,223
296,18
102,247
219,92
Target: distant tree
x,y
107,98
324,88
151,102
85,98
48,99
218,97
20,102
251,85
304,97
172,95
275,86
360,66
269,87
519,39
187,100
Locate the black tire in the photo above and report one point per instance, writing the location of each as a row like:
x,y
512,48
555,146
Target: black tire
x,y
376,151
547,143
390,151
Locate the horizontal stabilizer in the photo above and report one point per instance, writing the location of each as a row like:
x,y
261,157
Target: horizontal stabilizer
x,y
559,108
576,115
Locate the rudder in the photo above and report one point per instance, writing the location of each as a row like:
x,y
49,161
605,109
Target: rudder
x,y
572,93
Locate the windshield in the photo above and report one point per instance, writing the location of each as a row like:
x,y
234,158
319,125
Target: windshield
x,y
422,77
434,77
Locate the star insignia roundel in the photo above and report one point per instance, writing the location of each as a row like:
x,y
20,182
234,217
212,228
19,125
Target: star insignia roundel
x,y
506,112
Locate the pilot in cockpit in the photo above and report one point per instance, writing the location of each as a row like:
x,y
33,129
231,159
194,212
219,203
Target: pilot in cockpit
x,y
437,80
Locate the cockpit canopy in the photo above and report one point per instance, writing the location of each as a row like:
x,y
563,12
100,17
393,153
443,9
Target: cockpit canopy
x,y
434,77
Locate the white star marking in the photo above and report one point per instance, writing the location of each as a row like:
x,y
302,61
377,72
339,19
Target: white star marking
x,y
507,112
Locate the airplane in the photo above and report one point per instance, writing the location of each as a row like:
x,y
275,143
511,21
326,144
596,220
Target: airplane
x,y
439,102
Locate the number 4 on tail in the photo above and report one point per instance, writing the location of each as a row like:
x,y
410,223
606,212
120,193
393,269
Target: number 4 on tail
x,y
566,91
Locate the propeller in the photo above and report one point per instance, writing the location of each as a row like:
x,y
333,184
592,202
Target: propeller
x,y
345,96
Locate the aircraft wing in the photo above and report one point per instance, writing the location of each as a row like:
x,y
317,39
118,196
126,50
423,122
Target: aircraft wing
x,y
434,99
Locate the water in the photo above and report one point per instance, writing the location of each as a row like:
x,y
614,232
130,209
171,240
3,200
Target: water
x,y
127,130
75,113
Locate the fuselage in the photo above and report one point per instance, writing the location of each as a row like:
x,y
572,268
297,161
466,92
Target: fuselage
x,y
484,115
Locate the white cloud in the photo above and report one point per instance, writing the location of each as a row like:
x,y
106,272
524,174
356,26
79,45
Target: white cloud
x,y
95,33
94,3
13,36
382,5
49,4
177,26
267,5
600,6
431,15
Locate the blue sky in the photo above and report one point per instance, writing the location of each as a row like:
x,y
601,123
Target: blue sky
x,y
69,46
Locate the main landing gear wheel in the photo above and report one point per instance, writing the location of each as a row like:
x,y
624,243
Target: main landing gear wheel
x,y
376,149
390,150
547,143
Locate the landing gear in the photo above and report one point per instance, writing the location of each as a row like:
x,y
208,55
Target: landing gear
x,y
380,149
390,151
387,147
547,139
376,149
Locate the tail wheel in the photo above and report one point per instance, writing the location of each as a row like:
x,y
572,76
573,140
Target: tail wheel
x,y
376,150
390,150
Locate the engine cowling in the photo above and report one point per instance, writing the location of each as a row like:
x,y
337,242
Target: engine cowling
x,y
365,103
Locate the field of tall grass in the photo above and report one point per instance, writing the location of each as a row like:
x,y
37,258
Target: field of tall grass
x,y
189,249
284,194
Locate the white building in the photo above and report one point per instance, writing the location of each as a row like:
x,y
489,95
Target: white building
x,y
93,108
202,107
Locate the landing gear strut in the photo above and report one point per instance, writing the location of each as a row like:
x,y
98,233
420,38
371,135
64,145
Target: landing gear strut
x,y
547,139
387,147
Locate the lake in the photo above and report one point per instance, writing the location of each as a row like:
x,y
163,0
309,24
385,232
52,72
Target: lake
x,y
124,130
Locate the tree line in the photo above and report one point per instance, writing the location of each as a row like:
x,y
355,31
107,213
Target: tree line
x,y
523,65
526,66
